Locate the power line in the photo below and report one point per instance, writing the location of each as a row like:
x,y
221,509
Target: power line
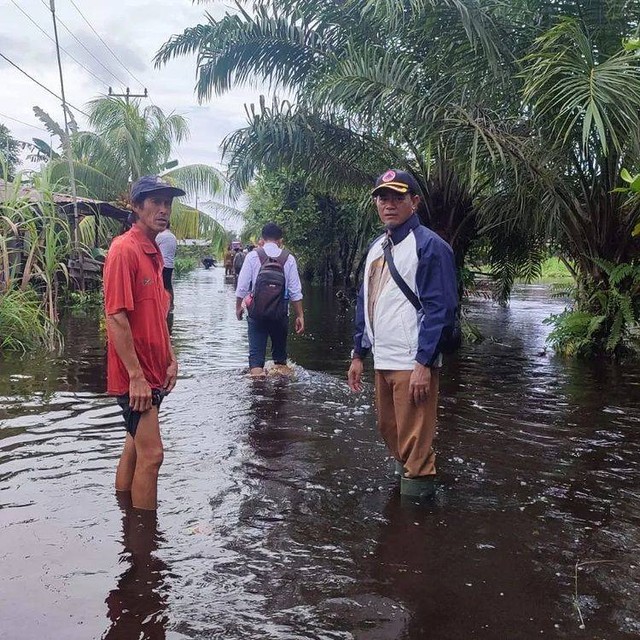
x,y
127,94
55,95
26,124
105,44
115,56
100,80
115,77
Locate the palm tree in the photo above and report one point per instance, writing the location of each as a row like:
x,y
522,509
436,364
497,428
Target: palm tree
x,y
585,98
374,86
126,142
129,141
516,118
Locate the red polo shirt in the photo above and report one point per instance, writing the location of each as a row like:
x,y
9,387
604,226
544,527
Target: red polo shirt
x,y
133,283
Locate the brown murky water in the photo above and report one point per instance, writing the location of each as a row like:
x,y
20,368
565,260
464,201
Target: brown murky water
x,y
279,516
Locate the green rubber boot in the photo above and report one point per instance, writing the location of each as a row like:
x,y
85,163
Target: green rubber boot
x,y
399,469
418,488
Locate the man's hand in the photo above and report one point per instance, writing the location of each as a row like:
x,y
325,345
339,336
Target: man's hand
x,y
419,383
139,394
354,376
299,324
172,376
239,308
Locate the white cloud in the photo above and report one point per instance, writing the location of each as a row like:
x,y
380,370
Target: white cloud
x,y
134,30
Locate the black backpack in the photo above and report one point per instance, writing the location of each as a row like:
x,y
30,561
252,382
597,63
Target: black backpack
x,y
269,289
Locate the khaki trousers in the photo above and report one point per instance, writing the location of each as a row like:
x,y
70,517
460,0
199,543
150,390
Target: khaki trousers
x,y
407,428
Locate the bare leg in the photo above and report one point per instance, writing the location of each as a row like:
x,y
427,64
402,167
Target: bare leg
x,y
257,372
126,466
149,455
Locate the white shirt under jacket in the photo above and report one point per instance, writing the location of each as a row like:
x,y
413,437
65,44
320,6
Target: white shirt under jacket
x,y
398,335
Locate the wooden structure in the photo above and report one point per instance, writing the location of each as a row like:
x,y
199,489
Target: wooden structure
x,y
82,268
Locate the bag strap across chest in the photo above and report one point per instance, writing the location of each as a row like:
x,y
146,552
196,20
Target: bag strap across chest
x,y
397,278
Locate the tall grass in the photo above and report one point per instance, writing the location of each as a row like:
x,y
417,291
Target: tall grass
x,y
24,325
35,242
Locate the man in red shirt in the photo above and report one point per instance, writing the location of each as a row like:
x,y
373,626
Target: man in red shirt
x,y
141,365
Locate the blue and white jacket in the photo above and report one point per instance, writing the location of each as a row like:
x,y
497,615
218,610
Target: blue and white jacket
x,y
398,335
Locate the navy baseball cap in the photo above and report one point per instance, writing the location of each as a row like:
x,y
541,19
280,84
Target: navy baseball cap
x,y
399,181
149,184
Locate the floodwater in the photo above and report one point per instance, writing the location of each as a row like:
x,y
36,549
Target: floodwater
x,y
279,517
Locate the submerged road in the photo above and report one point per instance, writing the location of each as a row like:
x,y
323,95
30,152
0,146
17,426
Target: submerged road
x,y
279,516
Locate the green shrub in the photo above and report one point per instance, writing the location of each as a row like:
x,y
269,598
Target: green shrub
x,y
181,266
574,333
555,271
604,320
24,325
83,299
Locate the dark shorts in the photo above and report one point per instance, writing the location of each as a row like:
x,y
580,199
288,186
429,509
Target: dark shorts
x,y
167,278
131,417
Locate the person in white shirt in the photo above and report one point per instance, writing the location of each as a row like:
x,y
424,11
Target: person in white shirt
x,y
270,320
168,245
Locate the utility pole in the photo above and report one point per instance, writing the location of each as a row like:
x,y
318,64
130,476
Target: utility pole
x,y
72,176
127,94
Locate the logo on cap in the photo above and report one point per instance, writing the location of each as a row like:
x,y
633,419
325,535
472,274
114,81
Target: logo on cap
x,y
389,176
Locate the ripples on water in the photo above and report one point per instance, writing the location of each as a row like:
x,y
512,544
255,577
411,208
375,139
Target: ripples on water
x,y
279,516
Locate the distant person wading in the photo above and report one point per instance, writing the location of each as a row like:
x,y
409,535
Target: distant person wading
x,y
267,282
238,261
228,262
168,244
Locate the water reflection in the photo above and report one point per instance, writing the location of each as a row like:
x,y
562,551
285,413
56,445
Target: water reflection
x,y
280,515
137,607
271,409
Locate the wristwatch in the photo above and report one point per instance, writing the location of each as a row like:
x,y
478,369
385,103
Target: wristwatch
x,y
353,355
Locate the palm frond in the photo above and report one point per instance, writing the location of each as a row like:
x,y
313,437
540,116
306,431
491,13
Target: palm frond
x,y
241,47
190,223
474,18
323,147
578,96
90,181
197,179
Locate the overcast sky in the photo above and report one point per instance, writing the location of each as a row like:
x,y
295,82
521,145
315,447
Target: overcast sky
x,y
134,30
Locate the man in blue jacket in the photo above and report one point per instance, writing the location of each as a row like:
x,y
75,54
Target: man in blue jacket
x,y
406,343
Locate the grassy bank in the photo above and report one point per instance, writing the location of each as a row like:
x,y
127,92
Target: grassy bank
x,y
552,271
190,257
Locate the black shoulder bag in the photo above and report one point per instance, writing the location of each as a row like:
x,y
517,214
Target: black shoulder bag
x,y
448,344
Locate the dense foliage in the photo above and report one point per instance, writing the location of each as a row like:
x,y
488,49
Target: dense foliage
x,y
9,152
34,246
38,240
326,234
516,118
